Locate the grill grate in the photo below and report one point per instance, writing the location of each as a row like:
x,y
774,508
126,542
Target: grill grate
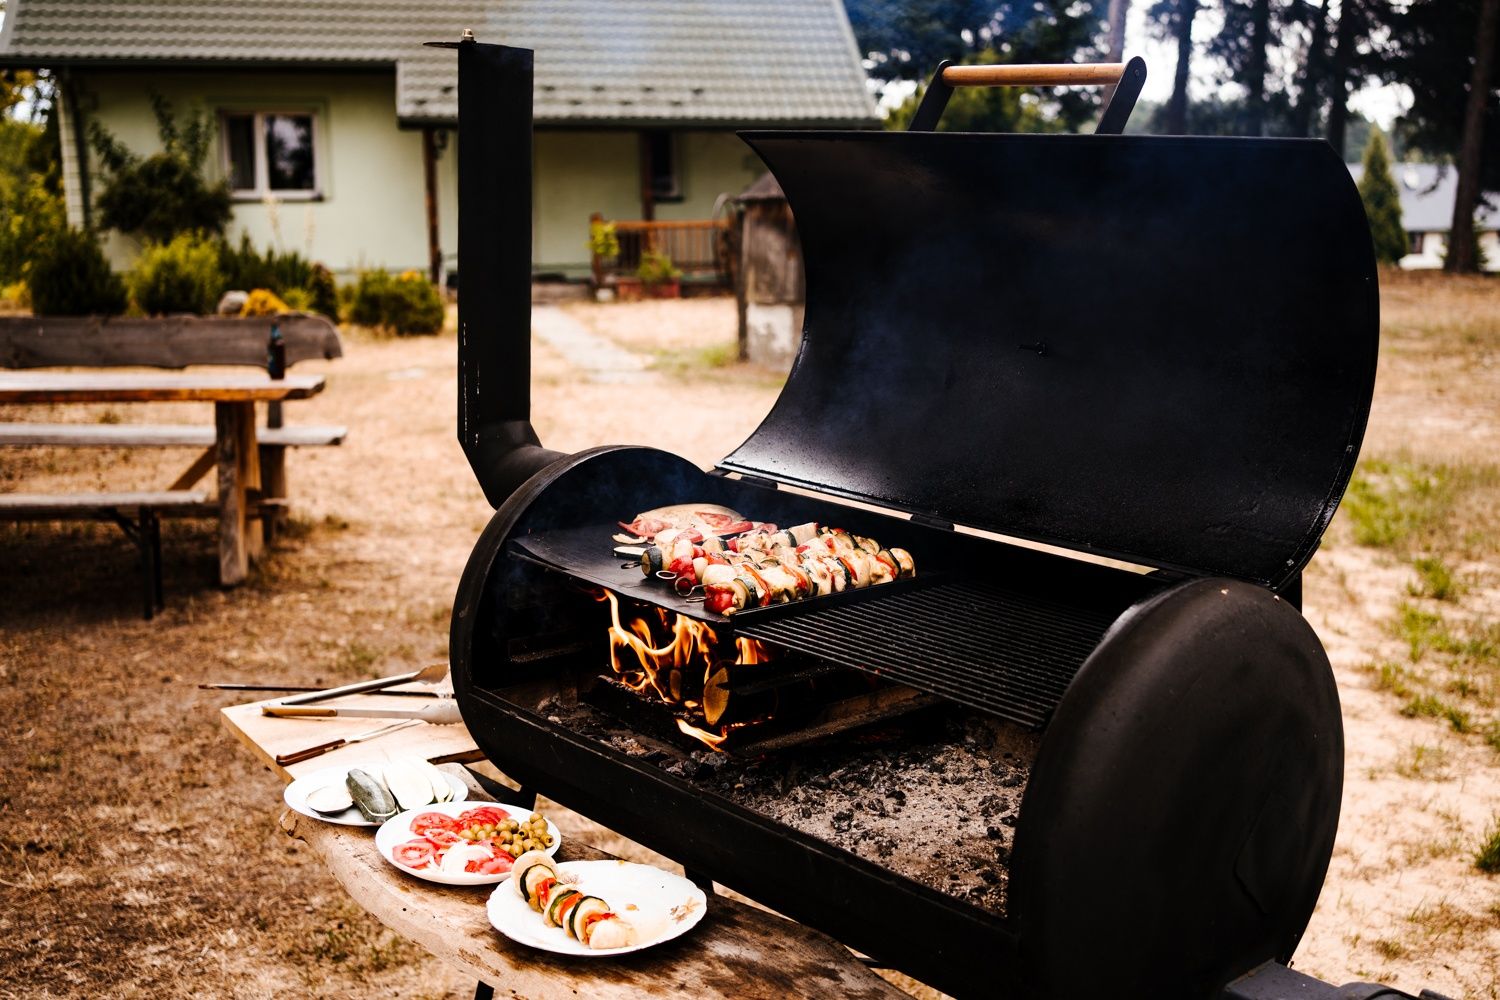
x,y
997,650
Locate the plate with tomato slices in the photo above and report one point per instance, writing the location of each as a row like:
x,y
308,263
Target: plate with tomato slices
x,y
458,843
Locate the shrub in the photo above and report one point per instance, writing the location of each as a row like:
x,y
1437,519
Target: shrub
x,y
604,241
264,302
406,303
288,275
25,224
181,276
68,276
161,195
322,292
657,268
297,300
245,268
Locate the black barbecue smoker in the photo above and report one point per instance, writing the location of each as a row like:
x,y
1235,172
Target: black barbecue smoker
x,y
1019,350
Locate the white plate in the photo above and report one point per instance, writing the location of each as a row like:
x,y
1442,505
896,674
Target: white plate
x,y
397,830
661,905
296,793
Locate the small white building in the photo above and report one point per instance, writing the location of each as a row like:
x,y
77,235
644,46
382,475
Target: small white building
x,y
1427,193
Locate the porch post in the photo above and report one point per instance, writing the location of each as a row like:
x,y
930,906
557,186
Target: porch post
x,y
429,176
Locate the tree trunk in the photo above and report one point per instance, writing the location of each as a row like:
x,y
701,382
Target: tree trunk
x,y
1338,76
1176,123
1119,10
1312,73
1463,255
1255,71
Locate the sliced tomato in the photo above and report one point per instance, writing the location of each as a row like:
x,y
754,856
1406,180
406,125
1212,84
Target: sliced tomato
x,y
479,815
414,854
442,839
422,822
498,865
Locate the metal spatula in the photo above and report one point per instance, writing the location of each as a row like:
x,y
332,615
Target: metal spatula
x,y
426,675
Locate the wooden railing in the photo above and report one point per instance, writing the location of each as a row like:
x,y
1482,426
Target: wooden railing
x,y
698,247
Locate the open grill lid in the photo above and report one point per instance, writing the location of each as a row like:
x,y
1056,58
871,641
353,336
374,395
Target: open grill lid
x,y
1157,349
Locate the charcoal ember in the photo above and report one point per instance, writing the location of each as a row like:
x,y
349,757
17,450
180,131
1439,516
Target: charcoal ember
x,y
926,804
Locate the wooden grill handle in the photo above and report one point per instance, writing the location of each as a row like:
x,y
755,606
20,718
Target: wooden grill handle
x,y
1042,75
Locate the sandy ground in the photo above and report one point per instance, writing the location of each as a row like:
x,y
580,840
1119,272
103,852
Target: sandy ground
x,y
138,850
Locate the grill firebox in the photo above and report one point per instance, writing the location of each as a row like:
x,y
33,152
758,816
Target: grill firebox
x,y
1020,773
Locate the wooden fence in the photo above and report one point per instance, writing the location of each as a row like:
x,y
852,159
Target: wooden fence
x,y
698,247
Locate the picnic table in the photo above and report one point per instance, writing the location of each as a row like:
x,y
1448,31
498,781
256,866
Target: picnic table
x,y
233,447
738,951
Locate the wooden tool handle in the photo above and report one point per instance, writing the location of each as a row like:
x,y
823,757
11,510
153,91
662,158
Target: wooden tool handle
x,y
300,711
299,756
1046,75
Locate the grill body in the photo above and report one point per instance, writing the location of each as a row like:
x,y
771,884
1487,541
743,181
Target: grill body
x,y
1157,350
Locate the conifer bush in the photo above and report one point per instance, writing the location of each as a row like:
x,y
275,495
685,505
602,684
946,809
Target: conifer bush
x,y
1377,189
68,276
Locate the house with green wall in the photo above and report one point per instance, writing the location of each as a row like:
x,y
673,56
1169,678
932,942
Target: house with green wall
x,y
336,128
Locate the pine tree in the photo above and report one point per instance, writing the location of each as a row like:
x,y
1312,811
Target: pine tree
x,y
1377,189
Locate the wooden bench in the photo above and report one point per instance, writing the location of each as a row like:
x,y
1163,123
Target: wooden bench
x,y
179,342
136,514
272,443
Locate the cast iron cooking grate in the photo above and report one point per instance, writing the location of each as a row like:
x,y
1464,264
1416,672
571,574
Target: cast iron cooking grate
x,y
981,645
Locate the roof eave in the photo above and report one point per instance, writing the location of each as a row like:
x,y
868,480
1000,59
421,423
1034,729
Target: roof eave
x,y
11,60
707,124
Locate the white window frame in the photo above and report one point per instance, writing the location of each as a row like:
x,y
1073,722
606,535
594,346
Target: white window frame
x,y
261,191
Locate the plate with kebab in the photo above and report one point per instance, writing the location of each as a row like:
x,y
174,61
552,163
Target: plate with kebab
x,y
593,908
734,564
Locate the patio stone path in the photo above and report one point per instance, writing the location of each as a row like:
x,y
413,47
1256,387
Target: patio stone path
x,y
600,360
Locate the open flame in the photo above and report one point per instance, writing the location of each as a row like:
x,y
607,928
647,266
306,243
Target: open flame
x,y
678,660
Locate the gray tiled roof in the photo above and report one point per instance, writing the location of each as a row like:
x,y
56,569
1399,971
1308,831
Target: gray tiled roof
x,y
1427,193
614,61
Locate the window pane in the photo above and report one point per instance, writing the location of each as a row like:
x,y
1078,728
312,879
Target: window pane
x,y
663,165
239,139
289,153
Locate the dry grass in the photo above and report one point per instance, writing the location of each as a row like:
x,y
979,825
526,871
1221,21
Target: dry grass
x,y
138,851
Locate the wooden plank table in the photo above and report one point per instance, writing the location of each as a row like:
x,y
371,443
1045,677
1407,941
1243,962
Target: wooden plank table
x,y
738,952
234,396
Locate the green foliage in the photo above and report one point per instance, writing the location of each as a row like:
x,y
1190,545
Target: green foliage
x,y
27,221
1377,189
657,268
1435,579
603,240
246,268
159,196
406,303
1487,858
68,276
322,292
182,276
987,109
289,275
1389,502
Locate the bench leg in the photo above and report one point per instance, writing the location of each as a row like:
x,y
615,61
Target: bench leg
x,y
484,991
272,487
145,534
239,470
